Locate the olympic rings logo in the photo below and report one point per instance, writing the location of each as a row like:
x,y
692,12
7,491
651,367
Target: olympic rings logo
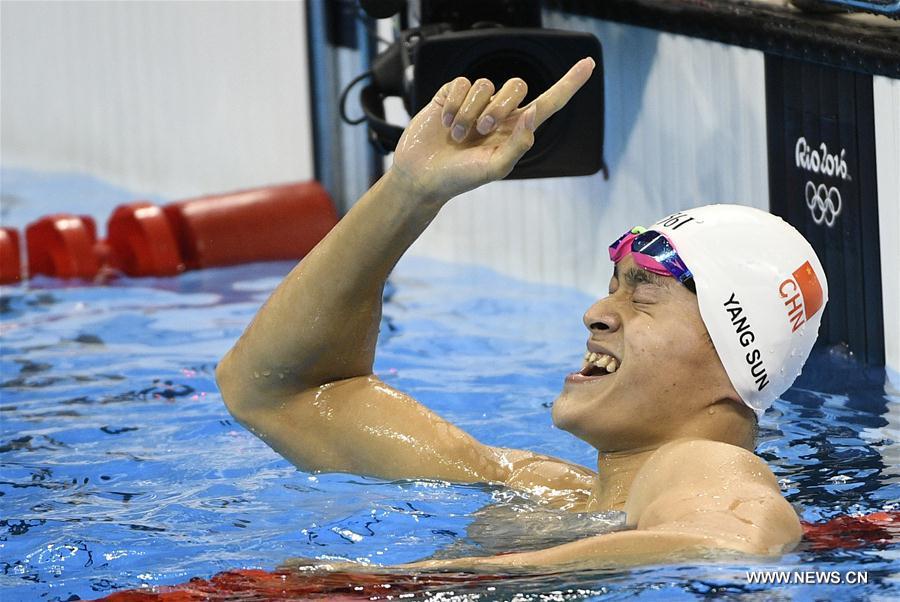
x,y
824,203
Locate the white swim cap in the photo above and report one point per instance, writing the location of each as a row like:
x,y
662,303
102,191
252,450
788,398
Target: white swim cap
x,y
761,291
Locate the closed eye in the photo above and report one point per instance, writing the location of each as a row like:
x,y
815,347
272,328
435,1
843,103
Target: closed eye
x,y
646,293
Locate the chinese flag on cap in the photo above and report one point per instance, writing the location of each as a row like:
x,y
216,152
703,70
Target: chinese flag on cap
x,y
810,288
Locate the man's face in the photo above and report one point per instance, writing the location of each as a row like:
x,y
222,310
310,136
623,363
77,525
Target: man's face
x,y
668,372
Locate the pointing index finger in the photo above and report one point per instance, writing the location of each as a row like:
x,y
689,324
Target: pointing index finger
x,y
559,94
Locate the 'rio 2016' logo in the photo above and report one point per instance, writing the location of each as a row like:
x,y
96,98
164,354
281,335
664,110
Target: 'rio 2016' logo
x,y
820,161
824,203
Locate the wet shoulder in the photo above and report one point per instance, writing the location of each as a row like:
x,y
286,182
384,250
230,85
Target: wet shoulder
x,y
703,458
696,465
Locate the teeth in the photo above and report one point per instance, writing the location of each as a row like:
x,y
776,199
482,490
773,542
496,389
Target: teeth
x,y
600,360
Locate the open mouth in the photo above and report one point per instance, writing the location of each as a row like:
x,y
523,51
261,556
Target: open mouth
x,y
595,367
598,364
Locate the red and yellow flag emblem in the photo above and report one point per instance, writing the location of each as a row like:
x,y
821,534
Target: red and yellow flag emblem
x,y
810,289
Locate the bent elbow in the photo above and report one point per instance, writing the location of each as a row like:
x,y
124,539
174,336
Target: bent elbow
x,y
226,380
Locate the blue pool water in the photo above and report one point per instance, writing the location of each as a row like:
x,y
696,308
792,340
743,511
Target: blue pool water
x,y
120,467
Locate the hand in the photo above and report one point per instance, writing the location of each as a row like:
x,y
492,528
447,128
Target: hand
x,y
316,565
301,564
468,135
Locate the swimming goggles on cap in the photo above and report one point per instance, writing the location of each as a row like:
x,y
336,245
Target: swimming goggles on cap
x,y
653,252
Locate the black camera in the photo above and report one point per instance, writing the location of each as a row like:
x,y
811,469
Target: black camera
x,y
568,144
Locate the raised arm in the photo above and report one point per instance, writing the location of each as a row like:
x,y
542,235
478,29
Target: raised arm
x,y
301,374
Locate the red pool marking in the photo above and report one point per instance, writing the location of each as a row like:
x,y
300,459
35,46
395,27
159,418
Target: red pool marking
x,y
850,532
842,532
254,584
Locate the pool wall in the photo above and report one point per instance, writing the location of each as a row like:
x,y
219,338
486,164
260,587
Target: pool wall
x,y
176,99
887,151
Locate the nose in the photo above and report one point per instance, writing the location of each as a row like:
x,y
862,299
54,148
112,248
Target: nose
x,y
600,317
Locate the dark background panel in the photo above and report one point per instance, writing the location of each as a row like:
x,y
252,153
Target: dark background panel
x,y
816,111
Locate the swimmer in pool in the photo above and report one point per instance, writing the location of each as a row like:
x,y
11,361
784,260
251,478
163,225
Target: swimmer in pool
x,y
693,340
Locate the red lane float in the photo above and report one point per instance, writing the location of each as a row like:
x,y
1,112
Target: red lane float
x,y
142,242
264,224
843,532
62,245
10,259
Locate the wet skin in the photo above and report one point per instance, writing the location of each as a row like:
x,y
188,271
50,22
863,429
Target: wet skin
x,y
670,435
